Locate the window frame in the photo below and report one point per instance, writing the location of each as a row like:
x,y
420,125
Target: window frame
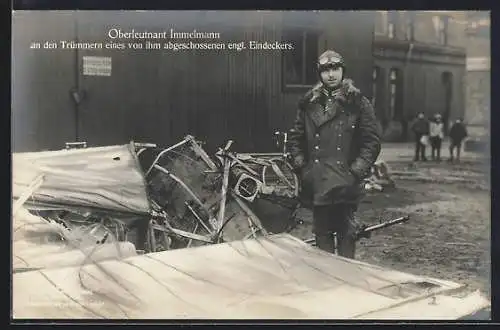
x,y
303,84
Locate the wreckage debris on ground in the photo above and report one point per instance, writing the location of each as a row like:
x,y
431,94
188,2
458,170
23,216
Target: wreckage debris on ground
x,y
157,198
93,210
270,277
380,178
165,198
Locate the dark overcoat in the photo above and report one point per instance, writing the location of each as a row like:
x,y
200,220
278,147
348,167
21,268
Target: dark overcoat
x,y
420,127
458,132
333,151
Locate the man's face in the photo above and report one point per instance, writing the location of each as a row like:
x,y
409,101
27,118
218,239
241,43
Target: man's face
x,y
420,116
332,76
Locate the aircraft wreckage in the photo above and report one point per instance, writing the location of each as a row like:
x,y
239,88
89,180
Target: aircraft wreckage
x,y
139,231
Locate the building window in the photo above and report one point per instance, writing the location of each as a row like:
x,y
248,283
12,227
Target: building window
x,y
299,63
447,80
395,102
478,24
441,25
410,26
390,30
393,89
375,76
391,24
381,23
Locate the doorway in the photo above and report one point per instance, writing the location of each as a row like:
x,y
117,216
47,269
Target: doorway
x,y
43,110
447,81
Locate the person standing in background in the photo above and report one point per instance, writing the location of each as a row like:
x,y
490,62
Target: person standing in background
x,y
458,133
420,127
436,137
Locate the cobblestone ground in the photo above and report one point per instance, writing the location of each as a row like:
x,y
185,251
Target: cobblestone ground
x,y
448,235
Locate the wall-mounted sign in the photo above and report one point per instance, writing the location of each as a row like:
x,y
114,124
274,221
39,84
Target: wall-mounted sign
x,y
478,64
96,66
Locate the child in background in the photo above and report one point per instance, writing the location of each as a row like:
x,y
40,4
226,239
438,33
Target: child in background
x,y
436,137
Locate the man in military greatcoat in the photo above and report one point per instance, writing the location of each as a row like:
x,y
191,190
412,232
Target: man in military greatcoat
x,y
333,144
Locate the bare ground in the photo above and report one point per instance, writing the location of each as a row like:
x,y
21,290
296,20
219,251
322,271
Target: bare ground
x,y
448,235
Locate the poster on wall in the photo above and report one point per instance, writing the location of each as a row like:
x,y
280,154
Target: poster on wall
x,y
96,66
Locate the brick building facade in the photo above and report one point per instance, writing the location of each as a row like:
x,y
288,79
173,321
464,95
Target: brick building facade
x,y
478,90
420,66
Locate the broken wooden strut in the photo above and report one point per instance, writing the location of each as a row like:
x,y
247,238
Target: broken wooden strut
x,y
365,230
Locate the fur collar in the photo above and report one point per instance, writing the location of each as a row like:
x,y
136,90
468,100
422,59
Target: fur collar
x,y
345,92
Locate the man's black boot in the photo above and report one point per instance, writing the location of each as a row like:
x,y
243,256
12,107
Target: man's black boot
x,y
326,242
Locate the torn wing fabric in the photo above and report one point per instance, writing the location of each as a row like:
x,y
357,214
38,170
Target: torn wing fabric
x,y
104,178
272,277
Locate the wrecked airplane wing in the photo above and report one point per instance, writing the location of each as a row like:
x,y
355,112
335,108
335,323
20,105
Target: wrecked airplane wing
x,y
96,189
273,277
41,244
102,178
157,198
75,213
